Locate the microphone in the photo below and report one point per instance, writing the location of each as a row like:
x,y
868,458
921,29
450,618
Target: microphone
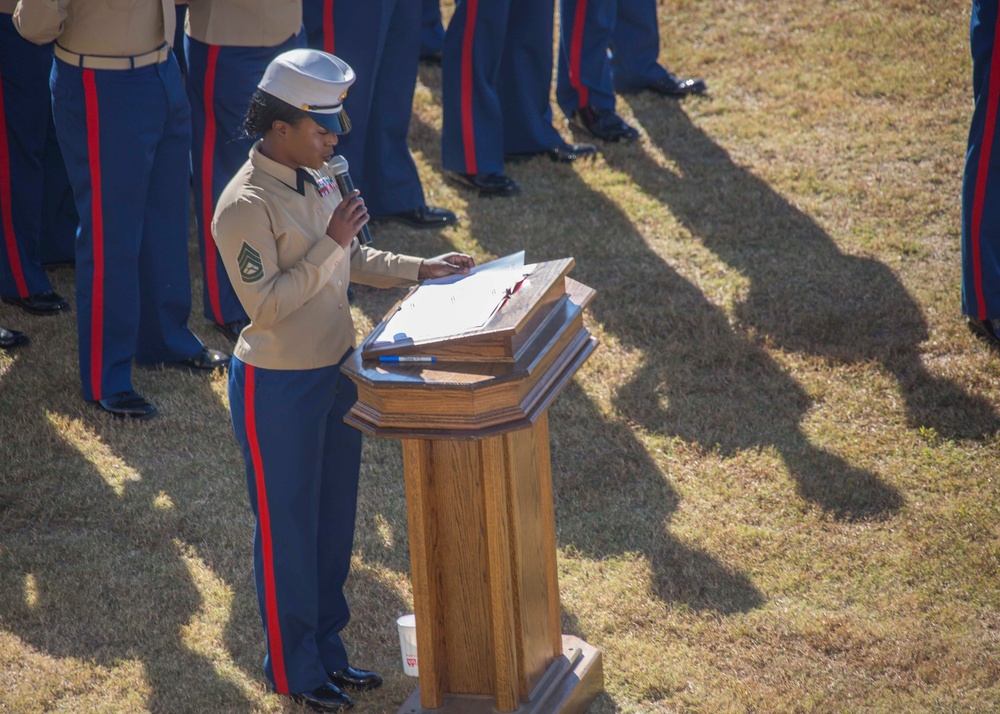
x,y
338,167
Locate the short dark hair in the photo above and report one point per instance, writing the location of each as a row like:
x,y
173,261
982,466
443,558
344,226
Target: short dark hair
x,y
265,109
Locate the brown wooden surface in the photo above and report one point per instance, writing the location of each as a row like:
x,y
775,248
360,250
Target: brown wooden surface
x,y
570,684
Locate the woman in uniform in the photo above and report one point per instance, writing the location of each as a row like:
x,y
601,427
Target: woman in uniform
x,y
287,239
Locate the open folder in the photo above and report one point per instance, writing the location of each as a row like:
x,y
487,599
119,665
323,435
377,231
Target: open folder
x,y
455,305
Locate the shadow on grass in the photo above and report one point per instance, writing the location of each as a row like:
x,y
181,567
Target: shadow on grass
x,y
805,294
125,566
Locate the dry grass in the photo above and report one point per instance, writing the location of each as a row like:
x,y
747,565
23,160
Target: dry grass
x,y
776,480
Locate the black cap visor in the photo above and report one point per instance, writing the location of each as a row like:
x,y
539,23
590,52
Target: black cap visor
x,y
338,123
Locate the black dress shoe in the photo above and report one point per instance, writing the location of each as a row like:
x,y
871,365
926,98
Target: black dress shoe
x,y
602,124
232,329
986,330
9,339
563,153
127,405
205,361
487,184
674,87
47,303
327,698
423,217
360,679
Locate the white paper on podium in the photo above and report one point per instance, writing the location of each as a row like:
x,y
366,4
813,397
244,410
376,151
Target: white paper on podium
x,y
446,307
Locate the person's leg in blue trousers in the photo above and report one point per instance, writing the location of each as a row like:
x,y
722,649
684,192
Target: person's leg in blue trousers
x,y
131,195
24,124
981,181
635,46
302,465
379,39
221,80
583,77
525,78
431,28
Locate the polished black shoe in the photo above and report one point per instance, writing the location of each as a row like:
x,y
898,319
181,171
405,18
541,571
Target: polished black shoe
x,y
327,698
986,330
675,87
127,405
563,153
232,329
487,184
423,217
47,303
9,339
205,361
359,679
602,124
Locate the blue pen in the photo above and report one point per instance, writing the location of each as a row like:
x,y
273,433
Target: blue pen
x,y
405,358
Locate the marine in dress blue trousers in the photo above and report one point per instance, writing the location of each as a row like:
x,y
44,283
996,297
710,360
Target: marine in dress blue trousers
x,y
37,219
380,39
125,136
496,72
586,75
222,78
303,485
981,182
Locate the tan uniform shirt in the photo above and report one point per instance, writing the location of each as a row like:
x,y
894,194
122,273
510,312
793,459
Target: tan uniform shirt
x,y
111,28
291,277
243,23
7,6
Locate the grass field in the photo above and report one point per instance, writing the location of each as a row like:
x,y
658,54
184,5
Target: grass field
x,y
776,481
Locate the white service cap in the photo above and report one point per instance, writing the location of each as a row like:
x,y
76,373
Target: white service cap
x,y
313,81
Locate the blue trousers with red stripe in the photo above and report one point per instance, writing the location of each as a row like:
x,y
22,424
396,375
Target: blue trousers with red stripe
x,y
380,39
588,29
29,172
496,72
220,82
125,136
302,467
981,182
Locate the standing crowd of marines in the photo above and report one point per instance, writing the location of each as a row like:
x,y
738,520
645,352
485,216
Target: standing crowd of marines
x,y
112,114
103,137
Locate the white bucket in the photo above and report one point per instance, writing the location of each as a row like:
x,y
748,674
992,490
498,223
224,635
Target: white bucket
x,y
407,625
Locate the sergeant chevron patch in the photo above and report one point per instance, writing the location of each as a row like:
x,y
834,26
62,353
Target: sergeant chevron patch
x,y
251,264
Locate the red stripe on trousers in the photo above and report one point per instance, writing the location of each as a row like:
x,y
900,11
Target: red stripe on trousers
x,y
270,596
468,137
7,205
982,172
328,43
576,51
207,204
97,228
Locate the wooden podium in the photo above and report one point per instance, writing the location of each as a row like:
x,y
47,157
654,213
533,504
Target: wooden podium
x,y
479,500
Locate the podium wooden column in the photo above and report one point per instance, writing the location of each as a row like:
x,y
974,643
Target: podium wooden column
x,y
475,440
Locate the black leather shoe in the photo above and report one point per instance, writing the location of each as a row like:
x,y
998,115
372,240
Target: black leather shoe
x,y
205,361
602,124
232,329
47,303
563,153
986,330
360,679
9,339
127,405
327,698
423,217
487,184
674,87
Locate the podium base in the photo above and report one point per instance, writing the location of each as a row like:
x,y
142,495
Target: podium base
x,y
569,685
